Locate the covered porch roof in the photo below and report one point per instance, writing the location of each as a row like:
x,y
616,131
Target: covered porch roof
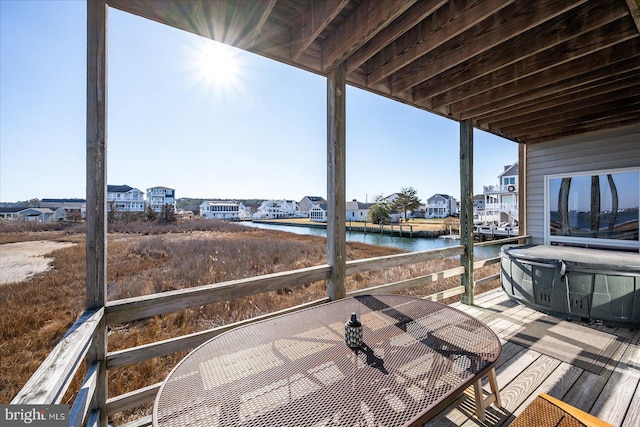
x,y
527,71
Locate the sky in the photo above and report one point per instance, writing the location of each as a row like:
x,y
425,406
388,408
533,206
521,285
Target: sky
x,y
207,120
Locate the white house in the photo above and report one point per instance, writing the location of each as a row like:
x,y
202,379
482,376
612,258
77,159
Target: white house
x,y
501,201
440,206
357,211
318,212
220,209
275,209
157,197
124,198
308,202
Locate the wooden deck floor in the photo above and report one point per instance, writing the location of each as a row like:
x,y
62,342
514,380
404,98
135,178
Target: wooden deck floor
x,y
613,394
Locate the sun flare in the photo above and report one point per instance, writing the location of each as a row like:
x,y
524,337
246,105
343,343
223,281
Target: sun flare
x,y
215,66
218,63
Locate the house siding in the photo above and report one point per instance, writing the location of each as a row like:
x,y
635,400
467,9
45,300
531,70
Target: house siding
x,y
605,150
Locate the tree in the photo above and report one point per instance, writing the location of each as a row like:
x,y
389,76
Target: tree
x,y
150,214
380,211
112,212
167,214
407,201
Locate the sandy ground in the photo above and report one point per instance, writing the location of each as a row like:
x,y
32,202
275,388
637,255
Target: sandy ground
x,y
19,261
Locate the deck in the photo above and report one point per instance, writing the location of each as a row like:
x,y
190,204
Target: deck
x,y
607,388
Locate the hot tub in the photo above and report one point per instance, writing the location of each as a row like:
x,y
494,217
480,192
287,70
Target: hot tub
x,y
575,283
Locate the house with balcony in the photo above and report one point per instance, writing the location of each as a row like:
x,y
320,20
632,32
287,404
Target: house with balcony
x,y
221,209
501,200
574,115
123,198
440,206
277,209
157,197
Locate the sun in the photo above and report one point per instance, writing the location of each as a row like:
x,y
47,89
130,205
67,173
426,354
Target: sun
x,y
218,63
215,66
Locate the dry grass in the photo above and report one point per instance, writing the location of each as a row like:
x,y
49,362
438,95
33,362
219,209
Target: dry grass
x,y
37,313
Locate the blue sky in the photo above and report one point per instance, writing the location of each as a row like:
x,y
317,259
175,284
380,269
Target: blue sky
x,y
176,120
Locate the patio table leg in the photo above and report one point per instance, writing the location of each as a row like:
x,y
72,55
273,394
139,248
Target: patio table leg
x,y
483,402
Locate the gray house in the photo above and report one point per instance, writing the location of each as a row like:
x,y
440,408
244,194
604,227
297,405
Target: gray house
x,y
38,214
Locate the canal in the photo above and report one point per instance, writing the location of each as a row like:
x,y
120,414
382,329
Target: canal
x,y
409,244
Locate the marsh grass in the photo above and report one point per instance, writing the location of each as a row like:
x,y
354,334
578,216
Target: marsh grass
x,y
36,313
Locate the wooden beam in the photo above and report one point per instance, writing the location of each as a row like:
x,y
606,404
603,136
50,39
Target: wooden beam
x,y
367,20
126,310
523,188
262,18
582,109
132,399
444,24
408,20
575,73
398,260
583,45
590,124
496,29
96,179
466,207
49,383
560,29
315,19
532,110
336,177
634,10
133,355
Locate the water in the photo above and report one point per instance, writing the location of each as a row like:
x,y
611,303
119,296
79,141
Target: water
x,y
410,244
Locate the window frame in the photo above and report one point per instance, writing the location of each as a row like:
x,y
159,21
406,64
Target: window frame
x,y
585,241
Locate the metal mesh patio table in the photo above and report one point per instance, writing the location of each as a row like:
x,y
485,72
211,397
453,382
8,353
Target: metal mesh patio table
x,y
417,357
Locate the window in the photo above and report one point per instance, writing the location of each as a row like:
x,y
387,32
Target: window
x,y
509,180
597,208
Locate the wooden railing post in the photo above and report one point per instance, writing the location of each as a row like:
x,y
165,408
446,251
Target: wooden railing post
x,y
336,192
96,221
466,207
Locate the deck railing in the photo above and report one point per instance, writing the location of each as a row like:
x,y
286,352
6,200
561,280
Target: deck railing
x,y
51,381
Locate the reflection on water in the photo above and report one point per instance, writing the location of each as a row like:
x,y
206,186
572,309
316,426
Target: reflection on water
x,y
410,244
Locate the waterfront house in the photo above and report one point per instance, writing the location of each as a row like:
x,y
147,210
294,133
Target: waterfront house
x,y
123,198
501,200
357,211
558,78
308,202
440,206
221,209
157,197
277,209
318,213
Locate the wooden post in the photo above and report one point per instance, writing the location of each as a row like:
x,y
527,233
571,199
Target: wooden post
x,y
96,221
466,207
336,172
522,189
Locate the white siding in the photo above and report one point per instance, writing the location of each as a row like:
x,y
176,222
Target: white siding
x,y
604,150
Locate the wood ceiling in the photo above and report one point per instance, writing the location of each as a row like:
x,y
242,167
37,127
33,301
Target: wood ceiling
x,y
530,71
